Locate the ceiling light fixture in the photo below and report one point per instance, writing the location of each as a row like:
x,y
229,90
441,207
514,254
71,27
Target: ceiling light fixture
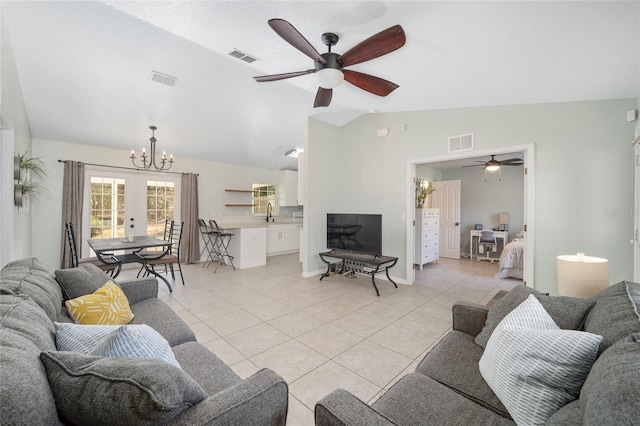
x,y
147,162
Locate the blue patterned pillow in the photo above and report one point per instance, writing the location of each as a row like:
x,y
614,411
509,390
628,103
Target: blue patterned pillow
x,y
533,366
136,341
80,338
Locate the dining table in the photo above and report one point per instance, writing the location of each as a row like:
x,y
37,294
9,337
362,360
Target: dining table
x,y
126,250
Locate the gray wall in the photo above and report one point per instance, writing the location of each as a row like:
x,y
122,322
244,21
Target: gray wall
x,y
583,174
482,202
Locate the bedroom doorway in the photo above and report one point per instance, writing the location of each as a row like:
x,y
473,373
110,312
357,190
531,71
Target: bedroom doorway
x,y
526,152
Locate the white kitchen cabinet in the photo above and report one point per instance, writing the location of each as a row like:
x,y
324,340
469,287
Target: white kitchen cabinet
x,y
280,239
295,236
427,236
288,188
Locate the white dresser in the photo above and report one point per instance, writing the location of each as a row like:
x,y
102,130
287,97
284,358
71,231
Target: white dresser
x,y
427,237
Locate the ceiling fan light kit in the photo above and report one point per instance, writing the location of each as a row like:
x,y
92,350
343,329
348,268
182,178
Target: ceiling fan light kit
x,y
330,66
495,165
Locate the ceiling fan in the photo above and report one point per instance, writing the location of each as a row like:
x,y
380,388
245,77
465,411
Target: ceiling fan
x,y
330,67
494,164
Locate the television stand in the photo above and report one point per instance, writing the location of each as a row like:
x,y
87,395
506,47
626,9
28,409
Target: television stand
x,y
365,263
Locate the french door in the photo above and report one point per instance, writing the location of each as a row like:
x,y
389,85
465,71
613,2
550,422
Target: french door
x,y
119,204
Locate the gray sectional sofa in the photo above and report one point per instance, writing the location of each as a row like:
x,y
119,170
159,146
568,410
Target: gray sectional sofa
x,y
42,386
448,388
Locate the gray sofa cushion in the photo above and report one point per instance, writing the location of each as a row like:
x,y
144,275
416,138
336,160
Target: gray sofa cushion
x,y
206,368
35,279
568,312
459,350
118,391
615,314
611,393
418,399
159,316
25,331
76,282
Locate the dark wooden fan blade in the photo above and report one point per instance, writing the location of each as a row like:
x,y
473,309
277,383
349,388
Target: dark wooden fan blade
x,y
370,83
375,46
323,97
475,165
294,38
275,77
511,160
511,164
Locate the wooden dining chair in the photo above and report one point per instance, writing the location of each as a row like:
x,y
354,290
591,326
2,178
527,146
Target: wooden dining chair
x,y
110,264
168,257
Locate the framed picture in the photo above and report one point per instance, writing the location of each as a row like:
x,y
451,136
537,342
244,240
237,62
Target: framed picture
x,y
478,227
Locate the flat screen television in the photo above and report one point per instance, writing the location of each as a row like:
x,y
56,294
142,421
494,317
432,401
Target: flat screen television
x,y
355,232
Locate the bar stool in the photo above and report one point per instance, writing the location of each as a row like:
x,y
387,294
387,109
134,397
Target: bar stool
x,y
209,237
221,245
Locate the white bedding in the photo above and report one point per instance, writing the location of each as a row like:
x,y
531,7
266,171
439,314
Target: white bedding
x,y
511,260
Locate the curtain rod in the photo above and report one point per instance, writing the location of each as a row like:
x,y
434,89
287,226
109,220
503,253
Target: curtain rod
x,y
130,168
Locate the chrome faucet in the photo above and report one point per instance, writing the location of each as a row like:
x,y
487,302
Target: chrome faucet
x,y
269,214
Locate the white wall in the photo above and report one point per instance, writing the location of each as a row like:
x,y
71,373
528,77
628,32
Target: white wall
x,y
13,115
213,179
583,174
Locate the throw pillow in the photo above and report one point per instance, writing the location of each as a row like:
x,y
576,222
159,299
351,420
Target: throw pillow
x,y
533,366
136,341
110,391
81,338
76,282
107,306
567,312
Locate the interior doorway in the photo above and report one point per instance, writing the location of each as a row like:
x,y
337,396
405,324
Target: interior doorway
x,y
527,153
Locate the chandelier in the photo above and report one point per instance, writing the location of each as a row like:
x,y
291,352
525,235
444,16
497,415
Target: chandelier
x,y
149,161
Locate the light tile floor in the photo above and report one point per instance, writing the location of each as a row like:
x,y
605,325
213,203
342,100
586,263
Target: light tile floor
x,y
323,335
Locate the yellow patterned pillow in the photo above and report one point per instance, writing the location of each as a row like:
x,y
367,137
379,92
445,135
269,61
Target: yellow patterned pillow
x,y
107,306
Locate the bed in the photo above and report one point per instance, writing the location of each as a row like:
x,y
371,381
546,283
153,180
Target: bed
x,y
511,260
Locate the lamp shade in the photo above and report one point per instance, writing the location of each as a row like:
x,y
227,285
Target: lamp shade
x,y
504,218
582,276
329,78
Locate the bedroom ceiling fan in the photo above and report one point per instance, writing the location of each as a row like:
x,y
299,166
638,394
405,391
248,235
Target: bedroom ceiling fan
x,y
330,67
493,165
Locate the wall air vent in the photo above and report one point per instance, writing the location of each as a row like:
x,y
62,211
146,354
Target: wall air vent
x,y
242,56
461,143
165,79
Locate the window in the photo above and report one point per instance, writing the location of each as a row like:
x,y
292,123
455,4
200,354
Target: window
x,y
160,206
107,207
263,194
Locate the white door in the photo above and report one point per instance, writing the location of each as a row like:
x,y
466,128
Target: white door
x,y
121,204
446,197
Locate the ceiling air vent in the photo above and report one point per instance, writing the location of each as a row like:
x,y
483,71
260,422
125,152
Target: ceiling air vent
x,y
461,143
165,79
242,56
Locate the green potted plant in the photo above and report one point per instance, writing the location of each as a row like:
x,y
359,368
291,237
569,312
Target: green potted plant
x,y
27,168
424,188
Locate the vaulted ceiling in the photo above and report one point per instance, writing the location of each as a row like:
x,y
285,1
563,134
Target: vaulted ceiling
x,y
85,66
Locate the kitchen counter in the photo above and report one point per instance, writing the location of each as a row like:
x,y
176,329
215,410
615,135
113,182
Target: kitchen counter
x,y
252,242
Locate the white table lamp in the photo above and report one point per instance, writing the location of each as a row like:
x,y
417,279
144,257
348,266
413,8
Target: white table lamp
x,y
582,276
504,221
